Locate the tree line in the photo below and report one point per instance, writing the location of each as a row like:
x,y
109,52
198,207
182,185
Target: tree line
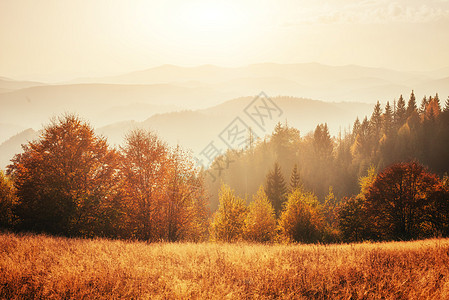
x,y
70,182
401,131
405,201
370,183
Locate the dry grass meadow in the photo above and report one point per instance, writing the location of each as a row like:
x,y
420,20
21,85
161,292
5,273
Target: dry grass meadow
x,y
42,267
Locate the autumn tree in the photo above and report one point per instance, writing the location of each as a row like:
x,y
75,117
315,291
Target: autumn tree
x,y
185,205
8,201
439,210
432,110
301,220
163,192
275,188
260,222
351,219
65,181
330,210
366,181
229,220
330,206
145,170
398,202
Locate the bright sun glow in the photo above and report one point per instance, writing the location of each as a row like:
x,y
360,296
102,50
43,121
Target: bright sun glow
x,y
211,17
214,22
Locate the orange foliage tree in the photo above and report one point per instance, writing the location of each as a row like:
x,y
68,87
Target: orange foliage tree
x,y
260,221
65,181
302,219
399,202
163,192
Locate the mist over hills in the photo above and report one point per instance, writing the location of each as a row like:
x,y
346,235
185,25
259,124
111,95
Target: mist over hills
x,y
309,80
191,105
193,130
13,146
9,85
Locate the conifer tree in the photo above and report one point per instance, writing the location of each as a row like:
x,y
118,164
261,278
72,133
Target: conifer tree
x,y
275,188
356,126
322,141
411,107
400,115
387,119
446,105
376,120
437,100
423,106
295,179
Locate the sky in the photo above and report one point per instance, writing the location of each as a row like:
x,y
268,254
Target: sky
x,y
56,40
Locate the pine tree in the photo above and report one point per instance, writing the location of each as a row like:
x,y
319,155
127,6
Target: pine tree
x,y
422,108
432,110
376,120
446,105
322,141
295,179
356,126
275,188
387,119
400,115
411,107
437,100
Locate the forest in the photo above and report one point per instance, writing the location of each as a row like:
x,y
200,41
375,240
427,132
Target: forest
x,y
386,179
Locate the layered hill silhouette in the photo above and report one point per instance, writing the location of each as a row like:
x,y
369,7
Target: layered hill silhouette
x,y
179,101
9,85
194,129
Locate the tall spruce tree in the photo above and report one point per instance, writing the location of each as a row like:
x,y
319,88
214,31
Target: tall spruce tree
x,y
376,120
275,188
400,115
356,126
387,119
295,179
437,100
411,106
423,106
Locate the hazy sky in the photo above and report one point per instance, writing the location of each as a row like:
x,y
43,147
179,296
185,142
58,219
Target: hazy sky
x,y
58,40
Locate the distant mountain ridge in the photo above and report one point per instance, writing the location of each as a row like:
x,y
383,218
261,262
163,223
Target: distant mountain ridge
x,y
139,95
194,129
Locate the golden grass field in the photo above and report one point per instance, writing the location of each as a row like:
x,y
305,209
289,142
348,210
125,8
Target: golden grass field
x,y
37,266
